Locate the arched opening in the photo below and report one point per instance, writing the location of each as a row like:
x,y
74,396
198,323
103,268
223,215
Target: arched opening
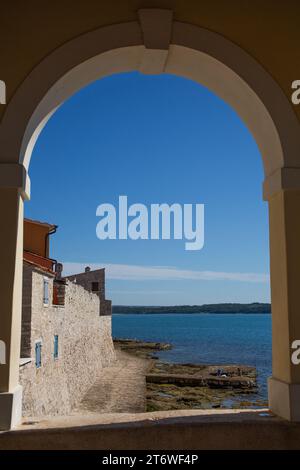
x,y
165,150
206,58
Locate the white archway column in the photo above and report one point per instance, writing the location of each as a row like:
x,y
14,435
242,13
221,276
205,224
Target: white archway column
x,y
284,223
12,191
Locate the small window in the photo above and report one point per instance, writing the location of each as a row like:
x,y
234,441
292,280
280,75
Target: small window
x,y
38,354
55,354
95,286
46,291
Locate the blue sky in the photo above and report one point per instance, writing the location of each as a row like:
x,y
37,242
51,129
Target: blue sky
x,y
156,139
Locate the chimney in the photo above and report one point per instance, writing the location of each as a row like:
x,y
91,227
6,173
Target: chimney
x,y
87,269
58,270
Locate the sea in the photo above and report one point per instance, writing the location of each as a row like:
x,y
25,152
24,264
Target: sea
x,y
203,338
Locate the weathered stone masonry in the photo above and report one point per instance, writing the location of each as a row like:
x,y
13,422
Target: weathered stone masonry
x,y
84,344
94,281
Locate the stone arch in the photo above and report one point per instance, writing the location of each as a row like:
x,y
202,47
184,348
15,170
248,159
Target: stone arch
x,y
157,44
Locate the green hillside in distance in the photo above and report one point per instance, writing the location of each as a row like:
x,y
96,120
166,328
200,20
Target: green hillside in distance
x,y
255,307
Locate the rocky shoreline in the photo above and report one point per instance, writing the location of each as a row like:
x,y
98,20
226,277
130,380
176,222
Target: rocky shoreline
x,y
171,386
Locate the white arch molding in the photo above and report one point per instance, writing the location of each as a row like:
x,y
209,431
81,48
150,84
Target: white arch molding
x,y
157,44
185,50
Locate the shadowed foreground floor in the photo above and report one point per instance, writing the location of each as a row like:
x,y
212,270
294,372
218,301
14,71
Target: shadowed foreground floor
x,y
169,430
98,422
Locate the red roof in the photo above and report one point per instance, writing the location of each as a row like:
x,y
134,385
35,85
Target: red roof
x,y
45,264
38,222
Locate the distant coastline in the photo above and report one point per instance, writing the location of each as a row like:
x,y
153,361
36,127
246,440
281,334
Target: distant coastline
x,y
256,307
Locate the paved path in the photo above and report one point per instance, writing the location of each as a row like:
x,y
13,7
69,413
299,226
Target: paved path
x,y
120,389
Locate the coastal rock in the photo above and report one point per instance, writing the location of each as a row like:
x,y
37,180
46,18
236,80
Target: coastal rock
x,y
171,386
141,348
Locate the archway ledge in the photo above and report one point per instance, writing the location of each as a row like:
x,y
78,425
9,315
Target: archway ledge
x,y
14,175
281,179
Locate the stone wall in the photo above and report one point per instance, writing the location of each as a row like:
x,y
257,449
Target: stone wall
x,y
87,279
106,307
26,311
84,347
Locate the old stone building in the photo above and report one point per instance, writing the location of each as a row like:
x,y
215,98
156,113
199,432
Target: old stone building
x,y
93,281
66,328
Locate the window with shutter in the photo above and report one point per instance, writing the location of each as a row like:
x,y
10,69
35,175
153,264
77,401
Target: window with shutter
x,y
55,347
38,354
46,292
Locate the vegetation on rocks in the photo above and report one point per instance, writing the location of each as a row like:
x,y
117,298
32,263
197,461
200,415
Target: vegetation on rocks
x,y
172,386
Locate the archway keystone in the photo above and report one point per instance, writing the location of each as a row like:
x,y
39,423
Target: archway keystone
x,y
156,28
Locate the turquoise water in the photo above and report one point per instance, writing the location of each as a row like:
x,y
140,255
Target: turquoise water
x,y
206,338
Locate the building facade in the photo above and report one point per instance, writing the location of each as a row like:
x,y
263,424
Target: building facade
x,y
93,281
66,330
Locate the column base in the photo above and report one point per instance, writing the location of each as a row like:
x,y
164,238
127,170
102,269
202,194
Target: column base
x,y
10,409
284,399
